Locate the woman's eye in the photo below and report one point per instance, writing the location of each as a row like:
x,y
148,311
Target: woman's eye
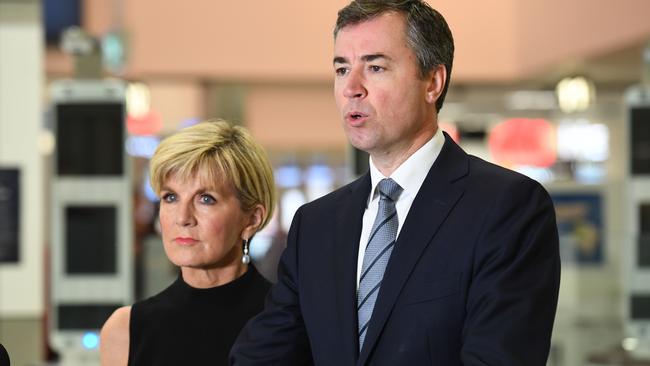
x,y
169,197
207,199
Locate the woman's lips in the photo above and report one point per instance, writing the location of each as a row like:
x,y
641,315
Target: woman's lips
x,y
185,241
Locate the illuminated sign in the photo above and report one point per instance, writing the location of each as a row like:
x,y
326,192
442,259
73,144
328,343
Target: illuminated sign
x,y
580,140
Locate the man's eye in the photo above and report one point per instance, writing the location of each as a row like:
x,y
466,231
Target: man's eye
x,y
341,71
375,68
207,199
169,197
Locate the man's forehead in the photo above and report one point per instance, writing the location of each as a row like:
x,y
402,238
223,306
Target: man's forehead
x,y
368,46
376,32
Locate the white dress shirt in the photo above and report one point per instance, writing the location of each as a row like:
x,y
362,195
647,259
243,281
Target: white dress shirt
x,y
410,176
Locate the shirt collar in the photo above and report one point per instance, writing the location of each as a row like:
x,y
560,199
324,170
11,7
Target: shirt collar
x,y
411,173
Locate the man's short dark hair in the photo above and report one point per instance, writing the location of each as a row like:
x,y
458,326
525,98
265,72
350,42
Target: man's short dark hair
x,y
427,32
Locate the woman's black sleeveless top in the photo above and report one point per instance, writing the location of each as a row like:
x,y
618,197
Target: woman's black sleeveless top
x,y
183,325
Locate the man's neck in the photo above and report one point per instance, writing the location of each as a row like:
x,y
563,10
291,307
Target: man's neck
x,y
388,161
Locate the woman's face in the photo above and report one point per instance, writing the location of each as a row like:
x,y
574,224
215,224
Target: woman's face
x,y
202,224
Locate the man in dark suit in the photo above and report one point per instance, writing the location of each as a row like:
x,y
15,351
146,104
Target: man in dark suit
x,y
434,257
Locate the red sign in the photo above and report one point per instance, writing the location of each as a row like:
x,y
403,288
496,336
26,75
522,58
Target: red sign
x,y
522,141
145,125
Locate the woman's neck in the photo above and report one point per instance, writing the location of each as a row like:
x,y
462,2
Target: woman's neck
x,y
213,277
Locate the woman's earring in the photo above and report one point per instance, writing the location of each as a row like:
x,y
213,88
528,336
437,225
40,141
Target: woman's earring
x,y
246,258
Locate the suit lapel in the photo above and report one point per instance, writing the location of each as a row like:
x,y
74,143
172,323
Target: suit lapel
x,y
433,202
348,231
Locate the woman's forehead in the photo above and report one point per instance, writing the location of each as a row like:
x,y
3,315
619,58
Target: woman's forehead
x,y
206,178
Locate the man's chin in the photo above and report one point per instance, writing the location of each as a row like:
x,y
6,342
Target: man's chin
x,y
360,146
358,140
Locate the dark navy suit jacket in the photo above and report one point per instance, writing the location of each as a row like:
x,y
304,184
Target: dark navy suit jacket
x,y
473,278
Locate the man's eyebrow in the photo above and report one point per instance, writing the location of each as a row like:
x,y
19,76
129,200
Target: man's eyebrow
x,y
339,60
365,58
375,56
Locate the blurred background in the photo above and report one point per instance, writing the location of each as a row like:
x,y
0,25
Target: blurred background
x,y
557,90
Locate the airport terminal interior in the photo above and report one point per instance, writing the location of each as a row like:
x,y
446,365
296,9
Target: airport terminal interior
x,y
556,90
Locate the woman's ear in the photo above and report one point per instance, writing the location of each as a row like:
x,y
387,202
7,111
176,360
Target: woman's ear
x,y
436,83
255,218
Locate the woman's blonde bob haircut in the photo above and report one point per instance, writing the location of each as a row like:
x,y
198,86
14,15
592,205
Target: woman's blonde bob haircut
x,y
219,152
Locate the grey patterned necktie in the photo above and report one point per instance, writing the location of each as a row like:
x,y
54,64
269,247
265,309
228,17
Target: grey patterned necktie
x,y
380,246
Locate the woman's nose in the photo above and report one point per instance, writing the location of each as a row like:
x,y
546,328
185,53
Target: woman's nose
x,y
185,215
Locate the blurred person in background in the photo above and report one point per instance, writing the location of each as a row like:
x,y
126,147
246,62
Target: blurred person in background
x,y
433,257
216,190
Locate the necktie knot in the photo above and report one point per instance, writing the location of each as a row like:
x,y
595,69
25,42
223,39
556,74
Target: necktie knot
x,y
389,189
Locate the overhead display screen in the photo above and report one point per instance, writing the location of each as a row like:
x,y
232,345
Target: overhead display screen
x,y
90,139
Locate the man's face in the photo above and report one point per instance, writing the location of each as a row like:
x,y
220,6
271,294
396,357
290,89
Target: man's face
x,y
386,108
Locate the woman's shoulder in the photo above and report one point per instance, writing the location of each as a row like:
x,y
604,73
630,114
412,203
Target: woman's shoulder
x,y
114,338
118,319
163,299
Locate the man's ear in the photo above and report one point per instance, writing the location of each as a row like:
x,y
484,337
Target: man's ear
x,y
255,219
436,83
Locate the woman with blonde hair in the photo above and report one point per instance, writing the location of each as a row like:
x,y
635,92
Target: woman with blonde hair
x,y
216,191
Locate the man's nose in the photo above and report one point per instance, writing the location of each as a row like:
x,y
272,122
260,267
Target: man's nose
x,y
354,85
